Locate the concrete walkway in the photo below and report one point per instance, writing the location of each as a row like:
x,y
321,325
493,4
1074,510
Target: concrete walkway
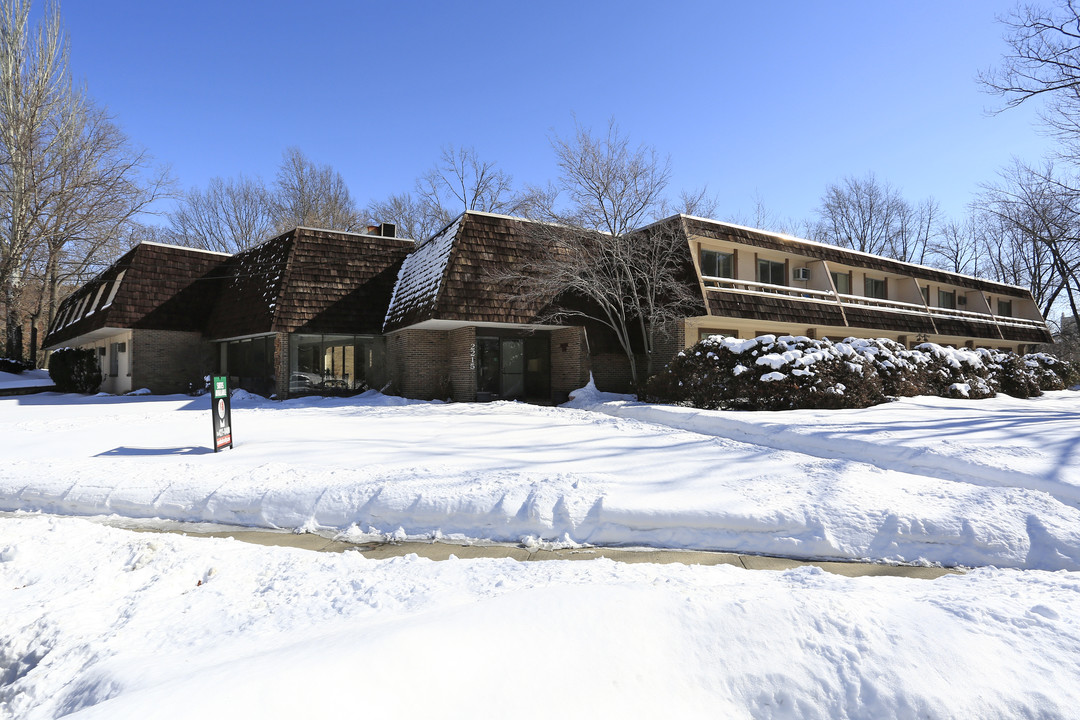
x,y
443,550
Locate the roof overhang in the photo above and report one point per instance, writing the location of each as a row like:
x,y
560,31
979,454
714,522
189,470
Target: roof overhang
x,y
456,324
87,338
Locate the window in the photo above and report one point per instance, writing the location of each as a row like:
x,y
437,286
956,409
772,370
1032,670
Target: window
x,y
1005,308
925,294
717,264
703,333
115,287
842,282
771,272
874,288
946,299
329,364
114,359
97,299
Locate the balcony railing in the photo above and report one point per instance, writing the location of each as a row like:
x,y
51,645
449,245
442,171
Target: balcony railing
x,y
746,287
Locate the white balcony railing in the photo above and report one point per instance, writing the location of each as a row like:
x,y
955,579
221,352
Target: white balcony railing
x,y
746,287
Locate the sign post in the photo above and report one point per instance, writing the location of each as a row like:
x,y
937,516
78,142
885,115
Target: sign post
x,y
222,411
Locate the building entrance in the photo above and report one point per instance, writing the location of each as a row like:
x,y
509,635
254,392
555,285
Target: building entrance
x,y
513,368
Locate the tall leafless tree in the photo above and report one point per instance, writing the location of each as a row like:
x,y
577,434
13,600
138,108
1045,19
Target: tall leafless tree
x,y
1043,62
870,216
69,178
35,91
1033,222
590,258
460,180
312,195
228,216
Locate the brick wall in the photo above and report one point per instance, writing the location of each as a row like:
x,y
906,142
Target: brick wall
x,y
569,361
169,361
419,363
462,358
611,372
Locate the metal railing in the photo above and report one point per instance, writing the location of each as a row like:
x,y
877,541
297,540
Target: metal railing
x,y
747,287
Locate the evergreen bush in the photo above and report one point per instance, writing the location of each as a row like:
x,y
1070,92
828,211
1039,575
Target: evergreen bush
x,y
767,373
75,370
13,366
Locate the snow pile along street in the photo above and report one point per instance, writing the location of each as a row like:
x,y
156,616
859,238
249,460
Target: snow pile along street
x,y
923,480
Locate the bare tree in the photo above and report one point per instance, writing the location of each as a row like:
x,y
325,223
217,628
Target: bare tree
x,y
228,216
860,214
1033,222
459,181
99,184
406,212
1043,62
312,195
869,216
699,203
592,259
35,91
956,246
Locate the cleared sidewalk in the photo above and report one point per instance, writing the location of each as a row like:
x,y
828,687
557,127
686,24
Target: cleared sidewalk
x,y
443,550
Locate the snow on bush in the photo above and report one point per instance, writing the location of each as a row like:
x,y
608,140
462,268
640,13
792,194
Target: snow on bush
x,y
13,366
782,373
768,373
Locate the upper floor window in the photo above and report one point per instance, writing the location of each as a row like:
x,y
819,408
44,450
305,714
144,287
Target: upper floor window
x,y
925,294
946,299
842,283
717,264
1005,308
771,272
874,288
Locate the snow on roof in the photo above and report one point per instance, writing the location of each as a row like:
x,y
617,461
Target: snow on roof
x,y
185,247
421,274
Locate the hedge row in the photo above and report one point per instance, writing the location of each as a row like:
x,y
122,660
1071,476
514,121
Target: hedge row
x,y
10,365
783,373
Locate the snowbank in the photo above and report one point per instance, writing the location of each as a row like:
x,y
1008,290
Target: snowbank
x,y
925,480
104,623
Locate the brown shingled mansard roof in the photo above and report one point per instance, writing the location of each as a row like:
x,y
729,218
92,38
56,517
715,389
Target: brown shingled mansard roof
x,y
161,287
448,276
308,280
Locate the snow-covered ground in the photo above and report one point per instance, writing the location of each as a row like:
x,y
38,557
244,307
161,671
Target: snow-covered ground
x,y
103,622
993,482
26,379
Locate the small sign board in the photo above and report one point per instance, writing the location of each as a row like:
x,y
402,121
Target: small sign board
x,y
222,412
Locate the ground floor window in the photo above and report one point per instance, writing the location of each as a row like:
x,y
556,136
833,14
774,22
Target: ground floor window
x,y
249,364
332,364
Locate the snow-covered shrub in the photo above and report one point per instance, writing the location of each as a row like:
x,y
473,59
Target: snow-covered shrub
x,y
767,373
1052,372
956,373
75,370
1012,374
13,366
903,372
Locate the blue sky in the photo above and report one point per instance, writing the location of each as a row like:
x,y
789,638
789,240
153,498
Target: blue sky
x,y
755,99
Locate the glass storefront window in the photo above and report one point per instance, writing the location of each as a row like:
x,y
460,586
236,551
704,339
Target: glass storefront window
x,y
332,364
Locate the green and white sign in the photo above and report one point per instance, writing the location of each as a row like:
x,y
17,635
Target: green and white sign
x,y
222,412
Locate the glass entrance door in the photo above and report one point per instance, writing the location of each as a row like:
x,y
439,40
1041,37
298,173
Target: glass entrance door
x,y
511,368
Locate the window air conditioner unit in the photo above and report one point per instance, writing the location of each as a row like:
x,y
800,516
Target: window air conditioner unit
x,y
802,273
